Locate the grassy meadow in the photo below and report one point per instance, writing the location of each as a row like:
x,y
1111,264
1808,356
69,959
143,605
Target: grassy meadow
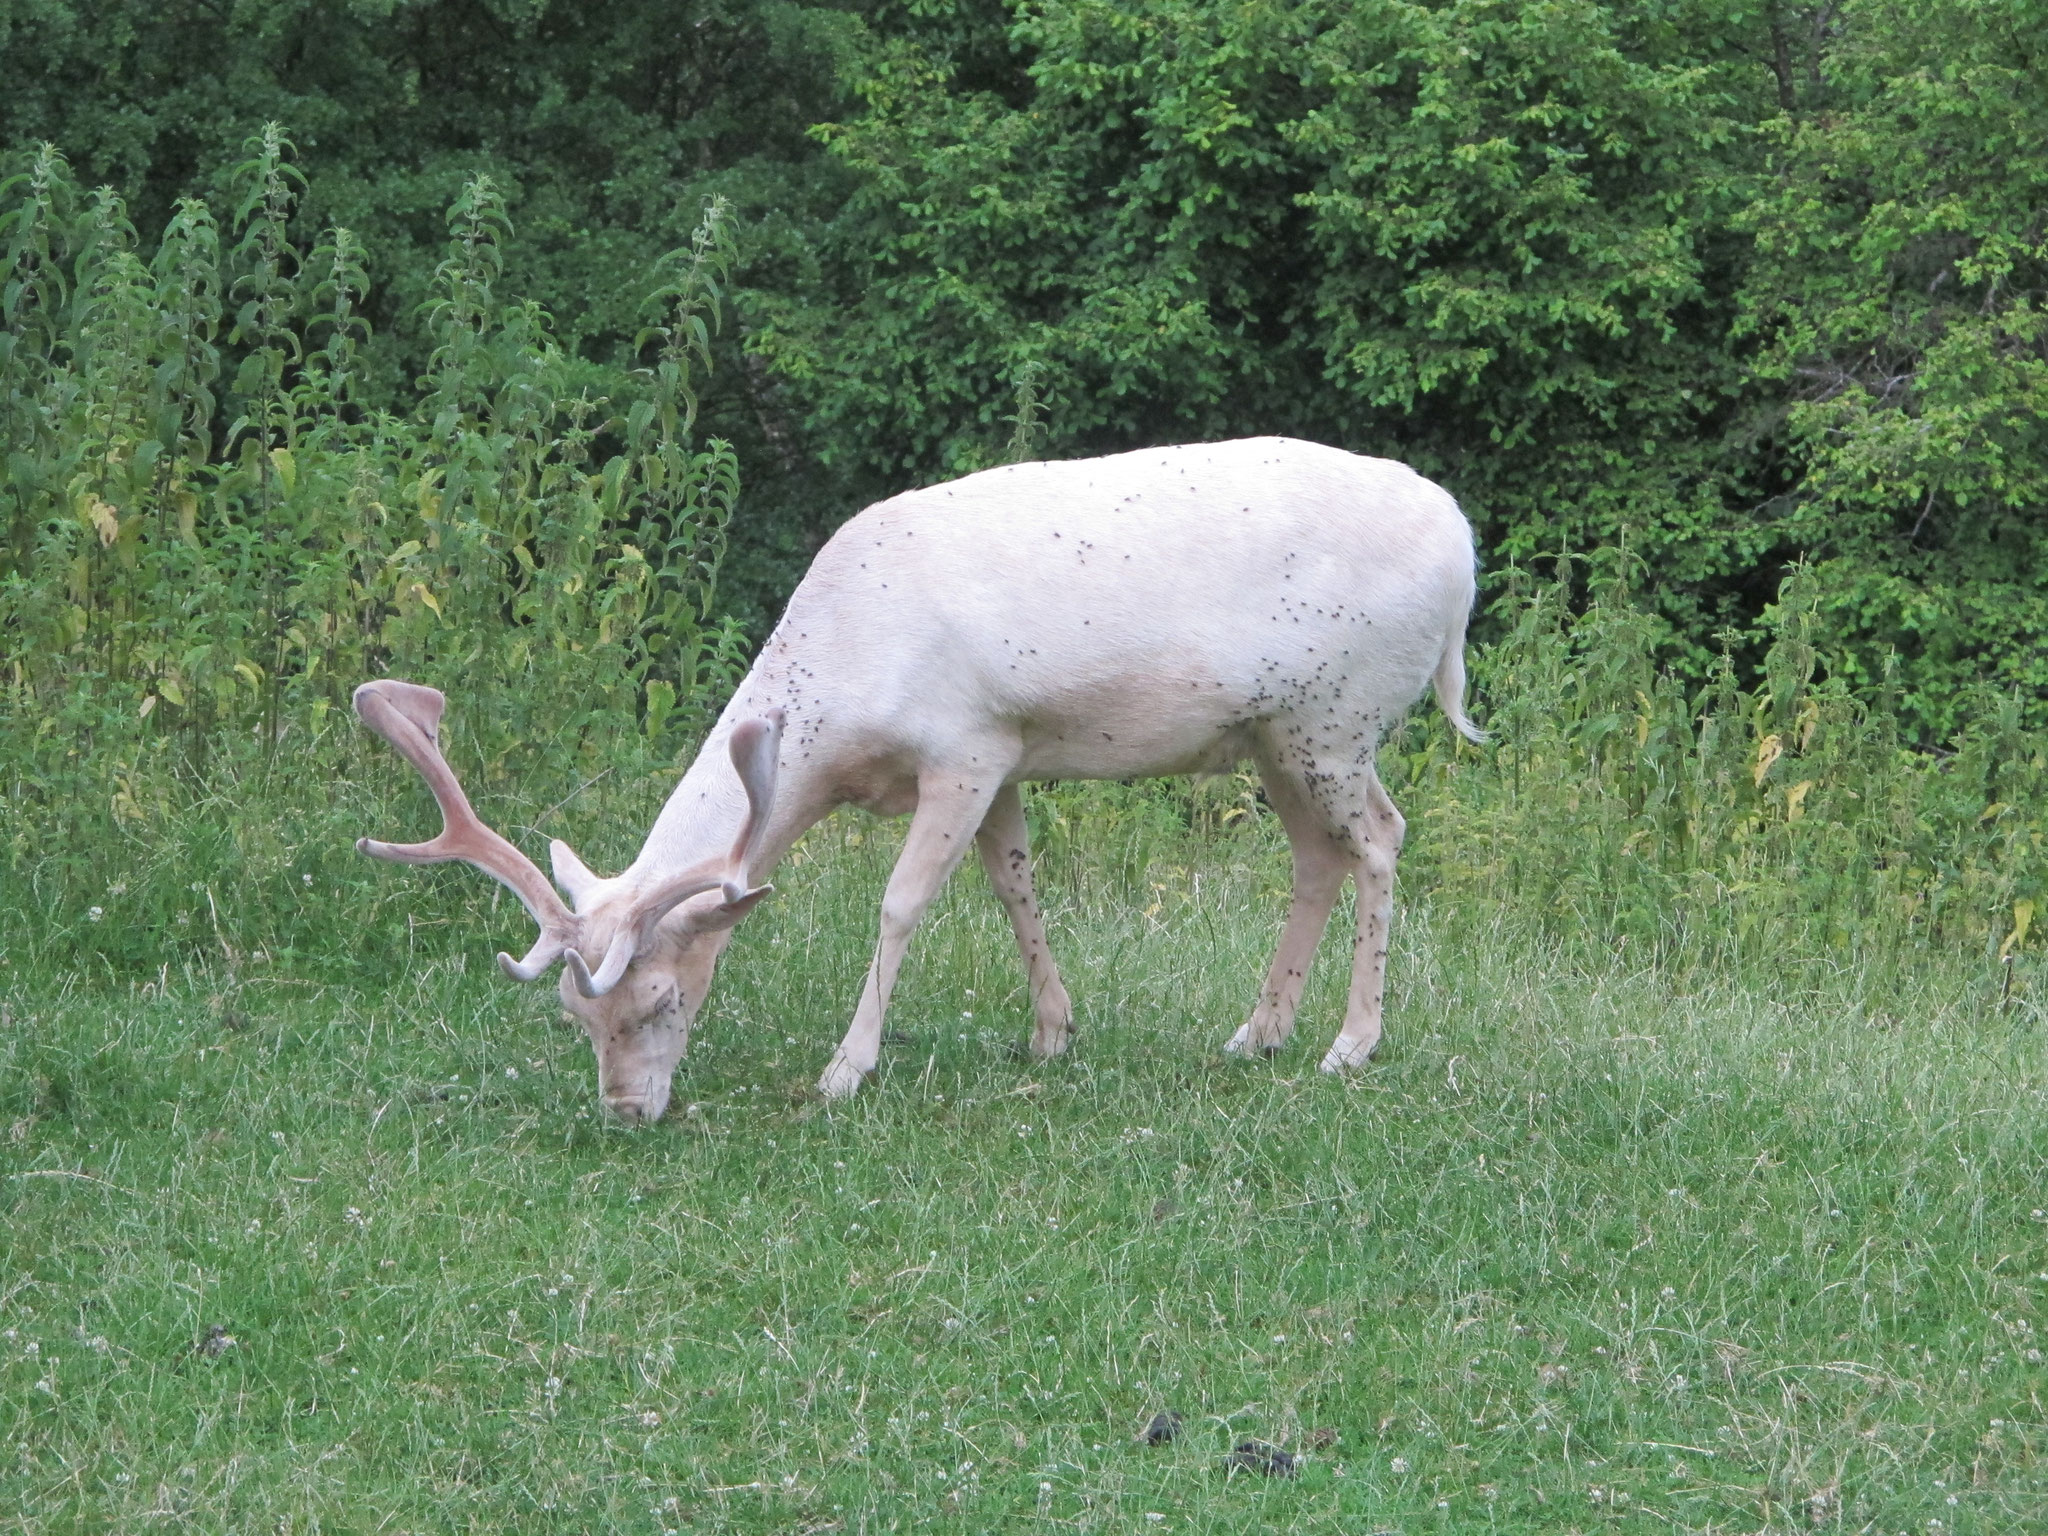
x,y
1600,1242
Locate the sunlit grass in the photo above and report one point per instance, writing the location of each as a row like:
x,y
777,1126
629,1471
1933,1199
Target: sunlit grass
x,y
1591,1245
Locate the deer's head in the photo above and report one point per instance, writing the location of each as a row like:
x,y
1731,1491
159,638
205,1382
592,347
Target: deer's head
x,y
657,939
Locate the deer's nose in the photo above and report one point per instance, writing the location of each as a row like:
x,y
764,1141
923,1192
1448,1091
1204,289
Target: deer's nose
x,y
633,1111
637,1108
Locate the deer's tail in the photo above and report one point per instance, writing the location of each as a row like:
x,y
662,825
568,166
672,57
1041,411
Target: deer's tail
x,y
1450,680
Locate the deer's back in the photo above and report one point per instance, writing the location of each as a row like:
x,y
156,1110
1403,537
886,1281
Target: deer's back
x,y
1135,613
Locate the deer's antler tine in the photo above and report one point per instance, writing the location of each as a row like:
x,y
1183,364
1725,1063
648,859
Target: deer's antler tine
x,y
617,956
755,747
547,949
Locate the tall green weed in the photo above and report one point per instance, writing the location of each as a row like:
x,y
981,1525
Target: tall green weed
x,y
1790,816
207,540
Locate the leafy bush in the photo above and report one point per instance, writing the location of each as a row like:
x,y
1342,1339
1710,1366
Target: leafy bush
x,y
1744,285
1747,284
210,539
1897,285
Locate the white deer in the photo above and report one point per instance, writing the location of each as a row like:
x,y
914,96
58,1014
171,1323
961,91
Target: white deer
x,y
1173,610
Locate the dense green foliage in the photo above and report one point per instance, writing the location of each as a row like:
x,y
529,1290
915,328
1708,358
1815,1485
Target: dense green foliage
x,y
1784,819
201,564
1750,280
1724,285
1600,268
1898,285
604,127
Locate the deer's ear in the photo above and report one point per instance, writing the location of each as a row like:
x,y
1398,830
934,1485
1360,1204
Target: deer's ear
x,y
737,904
571,873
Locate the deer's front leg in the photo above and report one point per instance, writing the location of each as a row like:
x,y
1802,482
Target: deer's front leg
x,y
950,805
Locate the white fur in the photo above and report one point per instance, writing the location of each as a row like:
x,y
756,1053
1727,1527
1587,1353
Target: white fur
x,y
1166,611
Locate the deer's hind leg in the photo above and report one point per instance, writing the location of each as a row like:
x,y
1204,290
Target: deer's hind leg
x,y
1004,841
1379,831
1323,855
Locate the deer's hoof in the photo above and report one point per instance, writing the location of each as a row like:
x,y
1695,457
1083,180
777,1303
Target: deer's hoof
x,y
1252,1041
1048,1043
842,1079
1348,1055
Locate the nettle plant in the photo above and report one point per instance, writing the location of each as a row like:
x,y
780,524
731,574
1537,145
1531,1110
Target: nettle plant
x,y
1791,815
207,539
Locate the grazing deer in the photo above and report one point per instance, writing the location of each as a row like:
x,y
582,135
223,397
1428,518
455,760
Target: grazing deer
x,y
1174,610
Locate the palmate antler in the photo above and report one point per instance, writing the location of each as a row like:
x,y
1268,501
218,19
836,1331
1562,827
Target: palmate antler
x,y
409,717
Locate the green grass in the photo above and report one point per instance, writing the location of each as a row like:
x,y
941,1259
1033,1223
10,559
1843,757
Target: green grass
x,y
1593,1246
